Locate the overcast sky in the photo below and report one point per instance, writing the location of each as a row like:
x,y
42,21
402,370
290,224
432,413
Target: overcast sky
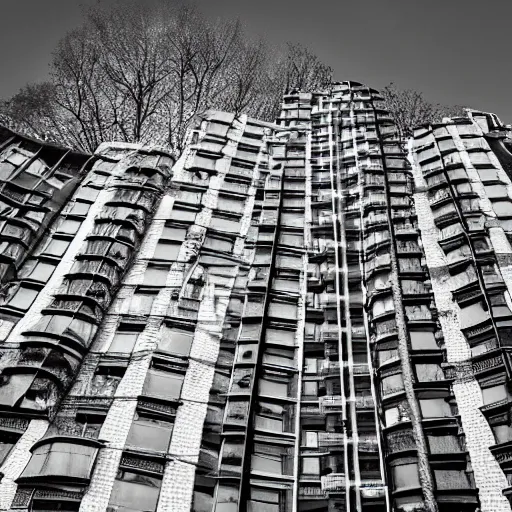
x,y
454,51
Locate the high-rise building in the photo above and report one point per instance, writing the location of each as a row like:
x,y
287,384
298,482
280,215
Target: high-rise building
x,y
306,316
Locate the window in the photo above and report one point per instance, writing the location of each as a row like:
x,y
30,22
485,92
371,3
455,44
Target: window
x,y
421,340
163,384
270,416
70,227
472,315
309,390
273,387
280,336
218,244
386,355
286,285
176,341
310,365
189,197
444,444
141,303
61,459
79,208
106,379
230,205
267,460
279,357
502,433
224,224
237,413
382,306
22,298
149,433
89,424
429,372
166,250
405,475
133,492
56,247
88,193
494,394
183,215
227,500
7,442
278,309
396,415
451,479
174,233
310,466
435,408
392,384
250,331
293,240
155,275
124,341
496,191
418,312
41,272
265,500
379,282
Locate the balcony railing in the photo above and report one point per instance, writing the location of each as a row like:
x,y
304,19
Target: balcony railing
x,y
330,405
333,482
330,439
330,368
361,369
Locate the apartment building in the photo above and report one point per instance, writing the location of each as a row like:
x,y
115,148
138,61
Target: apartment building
x,y
309,315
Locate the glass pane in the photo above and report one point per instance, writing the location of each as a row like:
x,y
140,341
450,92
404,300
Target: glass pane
x,y
135,492
150,434
167,251
163,384
123,342
176,341
23,298
406,475
155,276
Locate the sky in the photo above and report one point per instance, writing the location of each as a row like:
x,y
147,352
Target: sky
x,y
454,51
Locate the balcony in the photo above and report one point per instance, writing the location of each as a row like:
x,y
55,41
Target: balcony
x,y
330,440
312,492
361,369
329,368
330,404
365,402
335,482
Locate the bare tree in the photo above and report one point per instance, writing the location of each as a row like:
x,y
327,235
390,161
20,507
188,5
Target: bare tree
x,y
410,109
305,71
30,111
201,56
144,72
